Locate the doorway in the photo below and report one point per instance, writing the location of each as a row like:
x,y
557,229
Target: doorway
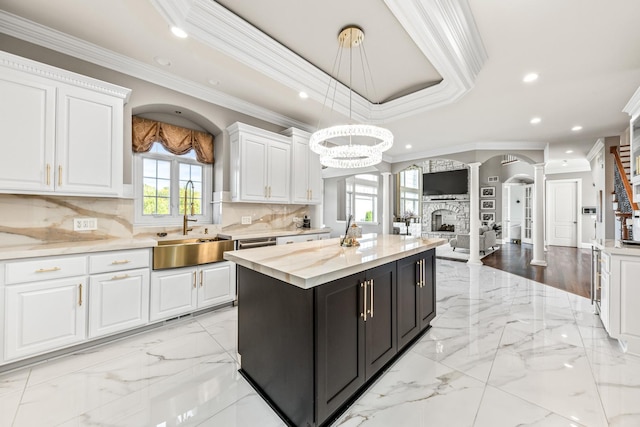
x,y
562,212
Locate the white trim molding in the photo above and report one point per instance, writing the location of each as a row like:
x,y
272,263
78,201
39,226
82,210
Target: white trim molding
x,y
444,30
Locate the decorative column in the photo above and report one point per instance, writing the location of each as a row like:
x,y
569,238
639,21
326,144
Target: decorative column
x,y
474,214
538,216
386,202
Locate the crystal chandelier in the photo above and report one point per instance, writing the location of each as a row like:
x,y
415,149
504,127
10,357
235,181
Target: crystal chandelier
x,y
354,153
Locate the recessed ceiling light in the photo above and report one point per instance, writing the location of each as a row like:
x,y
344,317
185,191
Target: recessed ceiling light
x,y
531,77
569,151
576,128
303,95
535,120
162,61
408,146
179,32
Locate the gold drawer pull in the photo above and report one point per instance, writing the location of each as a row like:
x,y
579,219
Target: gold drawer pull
x,y
80,295
48,174
120,277
48,270
122,261
60,175
201,272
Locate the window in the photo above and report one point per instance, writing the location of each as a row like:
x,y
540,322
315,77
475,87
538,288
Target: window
x,y
161,180
409,192
362,197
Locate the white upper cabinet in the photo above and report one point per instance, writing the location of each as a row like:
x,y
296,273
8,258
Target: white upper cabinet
x,y
260,165
64,131
306,177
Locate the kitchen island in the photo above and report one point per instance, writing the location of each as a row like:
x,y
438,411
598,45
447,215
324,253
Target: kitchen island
x,y
317,322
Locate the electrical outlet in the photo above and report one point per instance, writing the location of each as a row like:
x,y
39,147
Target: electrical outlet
x,y
246,220
84,224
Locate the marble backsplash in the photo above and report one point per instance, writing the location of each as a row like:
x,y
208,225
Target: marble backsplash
x,y
27,219
37,219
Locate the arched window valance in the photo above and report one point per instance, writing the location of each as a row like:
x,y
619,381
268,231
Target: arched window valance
x,y
175,139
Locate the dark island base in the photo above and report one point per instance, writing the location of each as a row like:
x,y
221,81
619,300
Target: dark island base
x,y
310,353
347,404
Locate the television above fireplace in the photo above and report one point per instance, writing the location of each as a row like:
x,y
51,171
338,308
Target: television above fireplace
x,y
447,183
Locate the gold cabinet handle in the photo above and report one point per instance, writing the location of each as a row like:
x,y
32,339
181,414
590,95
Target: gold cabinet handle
x,y
424,273
48,174
419,271
364,294
201,281
194,280
80,294
48,270
121,261
120,277
59,175
371,311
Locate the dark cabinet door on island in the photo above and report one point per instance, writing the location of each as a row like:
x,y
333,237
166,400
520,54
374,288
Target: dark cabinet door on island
x,y
356,334
416,295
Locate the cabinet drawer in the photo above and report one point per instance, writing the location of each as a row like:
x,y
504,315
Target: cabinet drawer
x,y
119,260
45,269
285,240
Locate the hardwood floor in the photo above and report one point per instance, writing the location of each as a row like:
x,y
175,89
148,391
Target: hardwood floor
x,y
568,268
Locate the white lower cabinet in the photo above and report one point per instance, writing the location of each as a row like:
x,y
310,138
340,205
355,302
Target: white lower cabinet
x,y
118,301
619,299
217,284
182,290
44,316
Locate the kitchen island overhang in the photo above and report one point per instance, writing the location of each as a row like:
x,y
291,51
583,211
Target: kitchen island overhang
x,y
317,322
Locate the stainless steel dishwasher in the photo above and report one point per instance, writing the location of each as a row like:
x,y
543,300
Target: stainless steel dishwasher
x,y
257,242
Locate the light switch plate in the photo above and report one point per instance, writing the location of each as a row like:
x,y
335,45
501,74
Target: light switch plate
x,y
84,224
246,220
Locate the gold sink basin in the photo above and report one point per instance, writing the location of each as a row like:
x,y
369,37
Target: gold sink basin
x,y
188,252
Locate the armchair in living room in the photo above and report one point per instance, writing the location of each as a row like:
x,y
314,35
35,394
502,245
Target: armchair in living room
x,y
487,240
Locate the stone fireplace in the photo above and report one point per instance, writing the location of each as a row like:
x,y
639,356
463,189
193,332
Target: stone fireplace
x,y
443,220
445,217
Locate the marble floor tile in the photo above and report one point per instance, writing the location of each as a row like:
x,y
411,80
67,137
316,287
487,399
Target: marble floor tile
x,y
500,409
503,351
557,377
417,391
618,380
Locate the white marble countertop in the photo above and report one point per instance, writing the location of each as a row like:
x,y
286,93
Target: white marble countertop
x,y
310,264
67,248
616,247
235,235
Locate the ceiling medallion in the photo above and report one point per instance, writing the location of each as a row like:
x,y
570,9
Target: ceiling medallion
x,y
342,146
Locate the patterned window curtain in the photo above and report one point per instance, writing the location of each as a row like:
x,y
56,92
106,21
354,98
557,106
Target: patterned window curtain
x,y
175,139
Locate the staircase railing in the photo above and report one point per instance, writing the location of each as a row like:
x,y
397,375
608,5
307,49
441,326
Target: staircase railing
x,y
623,177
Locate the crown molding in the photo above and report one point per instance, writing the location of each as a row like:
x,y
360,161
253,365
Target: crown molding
x,y
24,65
633,106
595,150
504,147
444,30
32,32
